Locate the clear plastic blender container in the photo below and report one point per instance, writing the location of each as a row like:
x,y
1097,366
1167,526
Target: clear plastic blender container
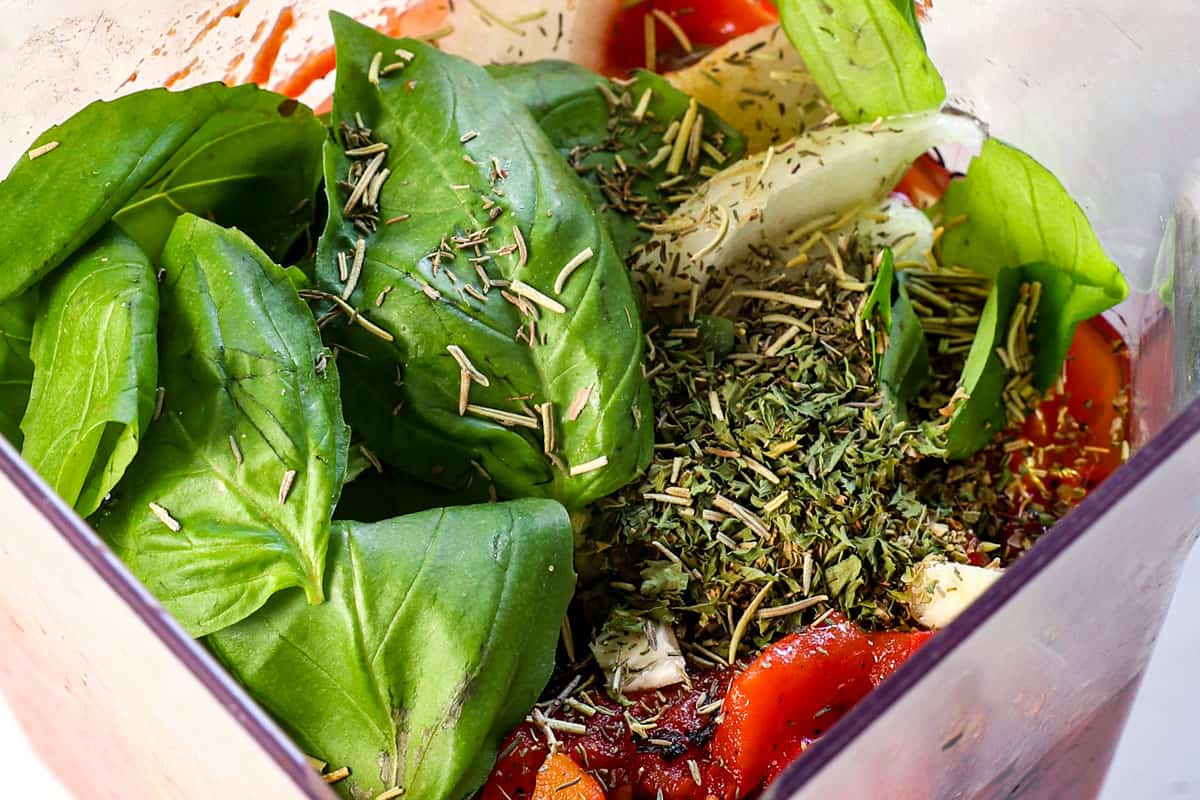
x,y
1024,695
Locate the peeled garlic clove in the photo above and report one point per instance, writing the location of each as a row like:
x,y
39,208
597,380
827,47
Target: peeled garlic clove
x,y
939,590
646,659
520,30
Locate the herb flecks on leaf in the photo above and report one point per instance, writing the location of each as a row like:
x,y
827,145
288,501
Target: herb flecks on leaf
x,y
866,56
1009,212
503,295
620,136
230,497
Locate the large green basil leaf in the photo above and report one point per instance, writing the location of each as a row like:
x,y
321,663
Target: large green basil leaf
x,y
230,497
980,414
908,10
611,145
95,369
1018,214
438,634
450,127
865,56
17,315
255,166
241,156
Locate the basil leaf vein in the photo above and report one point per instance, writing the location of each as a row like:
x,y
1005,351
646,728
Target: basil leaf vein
x,y
95,362
245,406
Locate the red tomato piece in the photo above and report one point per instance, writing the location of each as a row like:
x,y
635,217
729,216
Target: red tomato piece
x,y
893,649
790,693
706,24
925,182
795,690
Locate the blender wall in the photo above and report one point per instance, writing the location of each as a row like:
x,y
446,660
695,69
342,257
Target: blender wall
x,y
1024,695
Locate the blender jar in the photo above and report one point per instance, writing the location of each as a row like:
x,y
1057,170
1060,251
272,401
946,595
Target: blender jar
x,y
1024,695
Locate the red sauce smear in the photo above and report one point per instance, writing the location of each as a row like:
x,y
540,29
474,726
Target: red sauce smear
x,y
233,10
264,61
769,713
258,30
231,69
178,75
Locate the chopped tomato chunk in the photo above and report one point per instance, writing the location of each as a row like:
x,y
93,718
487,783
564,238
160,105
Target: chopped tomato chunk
x,y
925,182
722,738
560,778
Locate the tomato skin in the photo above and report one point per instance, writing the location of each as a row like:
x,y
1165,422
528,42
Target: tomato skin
x,y
792,692
893,649
1095,374
516,772
773,710
795,690
707,23
925,182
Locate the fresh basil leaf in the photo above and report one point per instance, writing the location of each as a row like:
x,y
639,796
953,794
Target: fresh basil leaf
x,y
437,636
250,398
448,187
573,107
254,166
908,10
1018,214
562,91
879,301
17,316
904,368
980,414
864,55
243,155
95,369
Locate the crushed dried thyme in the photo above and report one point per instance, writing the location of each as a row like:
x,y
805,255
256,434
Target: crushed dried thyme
x,y
646,163
781,488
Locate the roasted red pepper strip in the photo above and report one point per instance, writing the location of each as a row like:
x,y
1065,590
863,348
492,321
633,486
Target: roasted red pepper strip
x,y
893,649
795,690
790,695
